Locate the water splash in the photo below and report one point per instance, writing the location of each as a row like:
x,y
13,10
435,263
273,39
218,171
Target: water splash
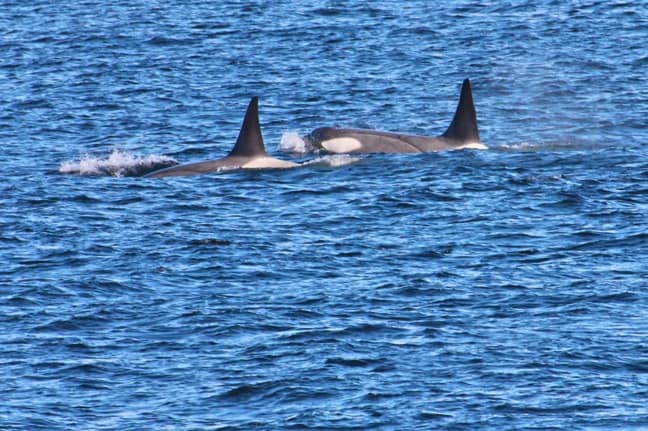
x,y
118,164
292,142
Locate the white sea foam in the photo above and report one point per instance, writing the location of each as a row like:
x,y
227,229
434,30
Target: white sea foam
x,y
292,142
334,161
118,164
521,146
549,146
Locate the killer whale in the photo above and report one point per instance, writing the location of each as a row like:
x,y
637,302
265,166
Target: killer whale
x,y
462,133
248,153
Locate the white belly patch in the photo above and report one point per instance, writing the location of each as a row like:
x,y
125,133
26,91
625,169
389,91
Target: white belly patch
x,y
268,163
473,146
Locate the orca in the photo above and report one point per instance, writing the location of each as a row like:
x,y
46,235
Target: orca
x,y
462,133
248,153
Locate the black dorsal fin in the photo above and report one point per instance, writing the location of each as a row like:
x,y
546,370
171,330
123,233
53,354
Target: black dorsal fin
x,y
464,124
250,140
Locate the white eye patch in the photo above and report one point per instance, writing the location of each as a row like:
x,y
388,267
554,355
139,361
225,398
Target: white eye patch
x,y
341,145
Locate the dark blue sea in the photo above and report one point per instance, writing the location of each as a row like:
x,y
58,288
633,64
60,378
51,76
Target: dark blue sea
x,y
504,289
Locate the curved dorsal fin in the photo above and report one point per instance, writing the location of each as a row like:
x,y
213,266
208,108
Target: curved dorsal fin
x,y
464,124
250,140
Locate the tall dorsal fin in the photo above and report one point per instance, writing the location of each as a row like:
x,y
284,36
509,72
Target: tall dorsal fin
x,y
250,140
464,124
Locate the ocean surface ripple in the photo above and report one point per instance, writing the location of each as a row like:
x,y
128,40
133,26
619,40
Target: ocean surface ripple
x,y
504,289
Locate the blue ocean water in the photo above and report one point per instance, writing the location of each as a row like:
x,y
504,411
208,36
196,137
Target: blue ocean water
x,y
504,289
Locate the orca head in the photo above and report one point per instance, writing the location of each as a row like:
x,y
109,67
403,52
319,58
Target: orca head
x,y
332,140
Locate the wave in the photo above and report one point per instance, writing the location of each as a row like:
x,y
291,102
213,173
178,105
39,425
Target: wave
x,y
118,164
